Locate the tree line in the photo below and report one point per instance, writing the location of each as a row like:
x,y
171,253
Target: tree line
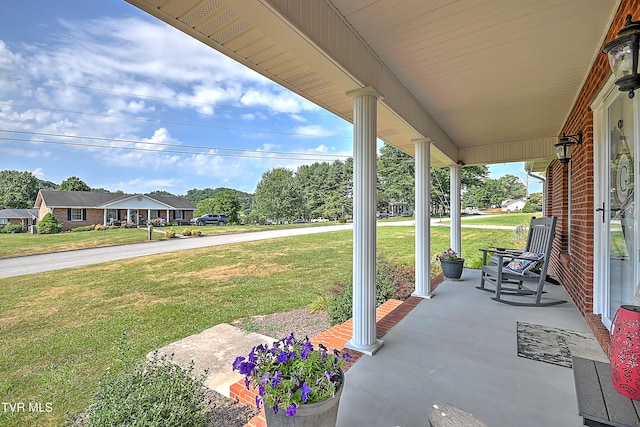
x,y
318,190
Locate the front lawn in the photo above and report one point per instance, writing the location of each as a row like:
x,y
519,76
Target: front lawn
x,y
61,330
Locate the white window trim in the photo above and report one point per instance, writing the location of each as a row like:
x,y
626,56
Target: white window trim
x,y
74,214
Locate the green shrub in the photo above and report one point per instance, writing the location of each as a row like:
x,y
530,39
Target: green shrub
x,y
49,225
83,228
393,281
158,393
11,229
186,232
527,208
169,234
342,220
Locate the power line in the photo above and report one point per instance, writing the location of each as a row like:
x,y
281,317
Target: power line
x,y
163,144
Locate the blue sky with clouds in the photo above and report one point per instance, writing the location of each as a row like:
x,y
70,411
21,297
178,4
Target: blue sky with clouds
x,y
102,91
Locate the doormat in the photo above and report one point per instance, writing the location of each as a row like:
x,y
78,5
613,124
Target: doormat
x,y
556,346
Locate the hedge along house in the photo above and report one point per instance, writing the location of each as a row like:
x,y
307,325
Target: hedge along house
x,y
456,83
81,208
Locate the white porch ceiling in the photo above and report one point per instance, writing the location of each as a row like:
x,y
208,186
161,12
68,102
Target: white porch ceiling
x,y
489,81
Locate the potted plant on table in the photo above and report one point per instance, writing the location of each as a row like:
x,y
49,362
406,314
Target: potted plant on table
x,y
451,264
297,383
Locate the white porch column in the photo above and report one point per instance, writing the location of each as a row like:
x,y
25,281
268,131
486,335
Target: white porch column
x,y
168,217
365,115
423,218
128,215
455,232
104,221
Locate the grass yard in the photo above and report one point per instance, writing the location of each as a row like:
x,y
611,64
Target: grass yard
x,y
62,329
22,244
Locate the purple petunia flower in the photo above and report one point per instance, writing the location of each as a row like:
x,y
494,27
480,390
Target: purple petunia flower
x,y
258,402
305,391
265,378
291,410
283,356
236,363
306,349
275,380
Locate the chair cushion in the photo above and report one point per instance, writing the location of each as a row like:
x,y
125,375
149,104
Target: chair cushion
x,y
536,256
520,266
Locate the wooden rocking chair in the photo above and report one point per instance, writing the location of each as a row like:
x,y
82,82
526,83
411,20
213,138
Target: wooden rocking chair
x,y
514,267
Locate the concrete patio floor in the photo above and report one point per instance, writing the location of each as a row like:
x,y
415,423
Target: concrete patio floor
x,y
460,347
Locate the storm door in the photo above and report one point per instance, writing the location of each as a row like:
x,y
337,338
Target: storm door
x,y
618,215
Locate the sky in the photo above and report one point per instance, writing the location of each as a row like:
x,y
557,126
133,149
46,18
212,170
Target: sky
x,y
103,91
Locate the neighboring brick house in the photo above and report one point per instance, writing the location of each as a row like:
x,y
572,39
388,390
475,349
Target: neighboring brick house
x,y
79,208
22,217
596,247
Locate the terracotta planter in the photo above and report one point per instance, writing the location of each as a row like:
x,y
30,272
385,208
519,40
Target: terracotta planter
x,y
318,414
452,269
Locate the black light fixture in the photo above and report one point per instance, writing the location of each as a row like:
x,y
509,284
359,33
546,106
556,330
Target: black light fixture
x,y
563,148
623,56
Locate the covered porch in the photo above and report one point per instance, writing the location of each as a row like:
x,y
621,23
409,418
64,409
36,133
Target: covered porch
x,y
460,347
450,83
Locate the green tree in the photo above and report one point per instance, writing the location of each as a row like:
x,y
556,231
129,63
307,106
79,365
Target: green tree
x,y
492,192
206,206
49,225
73,183
224,202
195,196
229,204
18,190
536,199
527,208
396,177
277,198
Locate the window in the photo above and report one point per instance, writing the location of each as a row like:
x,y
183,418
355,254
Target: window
x,y
4,221
178,215
76,214
155,213
112,214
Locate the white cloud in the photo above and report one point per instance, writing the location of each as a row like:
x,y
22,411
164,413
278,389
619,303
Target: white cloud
x,y
277,100
313,131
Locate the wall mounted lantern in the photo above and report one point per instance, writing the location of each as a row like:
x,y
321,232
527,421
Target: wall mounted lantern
x,y
623,56
563,148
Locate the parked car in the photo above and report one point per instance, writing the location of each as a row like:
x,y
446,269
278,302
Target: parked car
x,y
210,219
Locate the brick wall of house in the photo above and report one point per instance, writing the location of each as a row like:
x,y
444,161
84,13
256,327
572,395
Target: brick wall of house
x,y
94,216
574,265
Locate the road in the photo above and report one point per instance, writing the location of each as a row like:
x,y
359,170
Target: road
x,y
12,267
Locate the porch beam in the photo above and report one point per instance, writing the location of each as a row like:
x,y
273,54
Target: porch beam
x,y
455,213
364,220
423,218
